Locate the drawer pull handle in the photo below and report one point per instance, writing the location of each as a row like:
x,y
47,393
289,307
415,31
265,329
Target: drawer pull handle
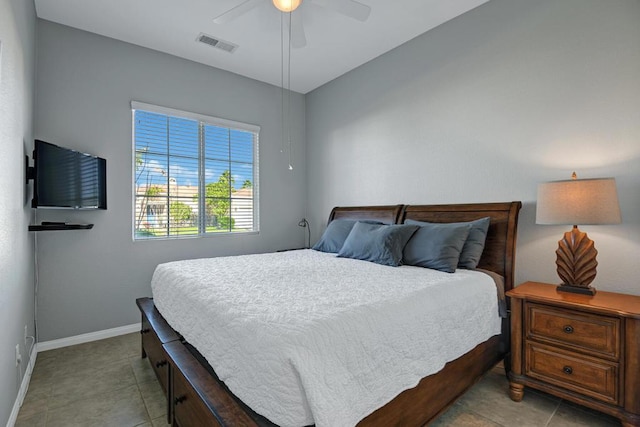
x,y
161,363
178,400
567,370
568,329
145,331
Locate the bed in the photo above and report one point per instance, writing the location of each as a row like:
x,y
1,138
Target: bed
x,y
416,405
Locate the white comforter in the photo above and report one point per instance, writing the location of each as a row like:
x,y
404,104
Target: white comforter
x,y
304,337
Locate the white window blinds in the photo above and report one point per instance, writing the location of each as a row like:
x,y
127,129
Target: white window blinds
x,y
193,174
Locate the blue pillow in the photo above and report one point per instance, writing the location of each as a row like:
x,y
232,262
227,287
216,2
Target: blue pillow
x,y
377,243
435,245
473,247
334,236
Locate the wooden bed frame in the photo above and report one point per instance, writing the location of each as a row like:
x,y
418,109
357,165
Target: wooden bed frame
x,y
179,366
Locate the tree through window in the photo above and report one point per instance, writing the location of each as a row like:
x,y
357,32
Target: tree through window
x,y
193,174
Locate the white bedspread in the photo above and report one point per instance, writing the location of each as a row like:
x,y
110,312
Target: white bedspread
x,y
304,337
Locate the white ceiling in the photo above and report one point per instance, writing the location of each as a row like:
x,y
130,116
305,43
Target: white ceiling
x,y
336,44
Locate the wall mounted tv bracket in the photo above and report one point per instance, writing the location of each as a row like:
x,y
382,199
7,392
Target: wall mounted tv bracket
x,y
30,170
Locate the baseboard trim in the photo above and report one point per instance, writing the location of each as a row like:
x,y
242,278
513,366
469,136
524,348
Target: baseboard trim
x,y
24,386
91,336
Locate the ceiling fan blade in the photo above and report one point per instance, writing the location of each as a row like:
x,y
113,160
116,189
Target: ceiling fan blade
x,y
237,11
351,8
298,38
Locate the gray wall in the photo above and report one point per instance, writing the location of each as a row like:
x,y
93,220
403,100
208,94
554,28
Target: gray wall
x,y
485,107
480,109
17,69
89,280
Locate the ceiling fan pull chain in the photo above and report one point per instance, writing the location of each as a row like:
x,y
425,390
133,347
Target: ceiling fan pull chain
x,y
289,95
282,138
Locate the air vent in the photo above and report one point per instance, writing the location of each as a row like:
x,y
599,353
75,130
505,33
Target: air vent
x,y
217,43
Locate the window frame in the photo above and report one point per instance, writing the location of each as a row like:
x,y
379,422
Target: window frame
x,y
203,120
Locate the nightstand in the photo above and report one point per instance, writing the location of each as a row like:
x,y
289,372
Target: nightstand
x,y
582,348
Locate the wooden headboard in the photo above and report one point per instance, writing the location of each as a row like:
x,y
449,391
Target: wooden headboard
x,y
500,247
385,214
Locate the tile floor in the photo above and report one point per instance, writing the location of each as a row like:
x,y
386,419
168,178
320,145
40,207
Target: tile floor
x,y
106,383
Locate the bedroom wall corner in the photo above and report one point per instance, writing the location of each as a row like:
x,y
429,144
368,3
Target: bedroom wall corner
x,y
483,108
89,280
17,79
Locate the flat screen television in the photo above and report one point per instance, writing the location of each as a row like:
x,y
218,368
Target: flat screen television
x,y
68,179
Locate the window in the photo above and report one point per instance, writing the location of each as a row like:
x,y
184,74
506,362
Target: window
x,y
194,175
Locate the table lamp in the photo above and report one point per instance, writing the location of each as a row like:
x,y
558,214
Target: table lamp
x,y
573,202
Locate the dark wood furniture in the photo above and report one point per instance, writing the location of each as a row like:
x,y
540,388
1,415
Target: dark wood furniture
x,y
387,214
582,348
196,397
155,332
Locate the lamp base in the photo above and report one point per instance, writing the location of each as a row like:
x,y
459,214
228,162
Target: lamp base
x,y
576,259
584,290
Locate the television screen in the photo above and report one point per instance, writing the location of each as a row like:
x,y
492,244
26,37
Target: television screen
x,y
68,179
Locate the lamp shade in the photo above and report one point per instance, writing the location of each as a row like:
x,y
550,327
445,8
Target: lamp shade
x,y
578,202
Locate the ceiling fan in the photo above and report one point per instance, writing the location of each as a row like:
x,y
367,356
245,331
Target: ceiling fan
x,y
351,8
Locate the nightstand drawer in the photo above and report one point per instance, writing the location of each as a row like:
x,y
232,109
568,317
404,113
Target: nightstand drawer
x,y
572,371
591,333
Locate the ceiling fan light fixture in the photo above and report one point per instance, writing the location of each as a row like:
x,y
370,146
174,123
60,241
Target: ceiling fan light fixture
x,y
287,5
